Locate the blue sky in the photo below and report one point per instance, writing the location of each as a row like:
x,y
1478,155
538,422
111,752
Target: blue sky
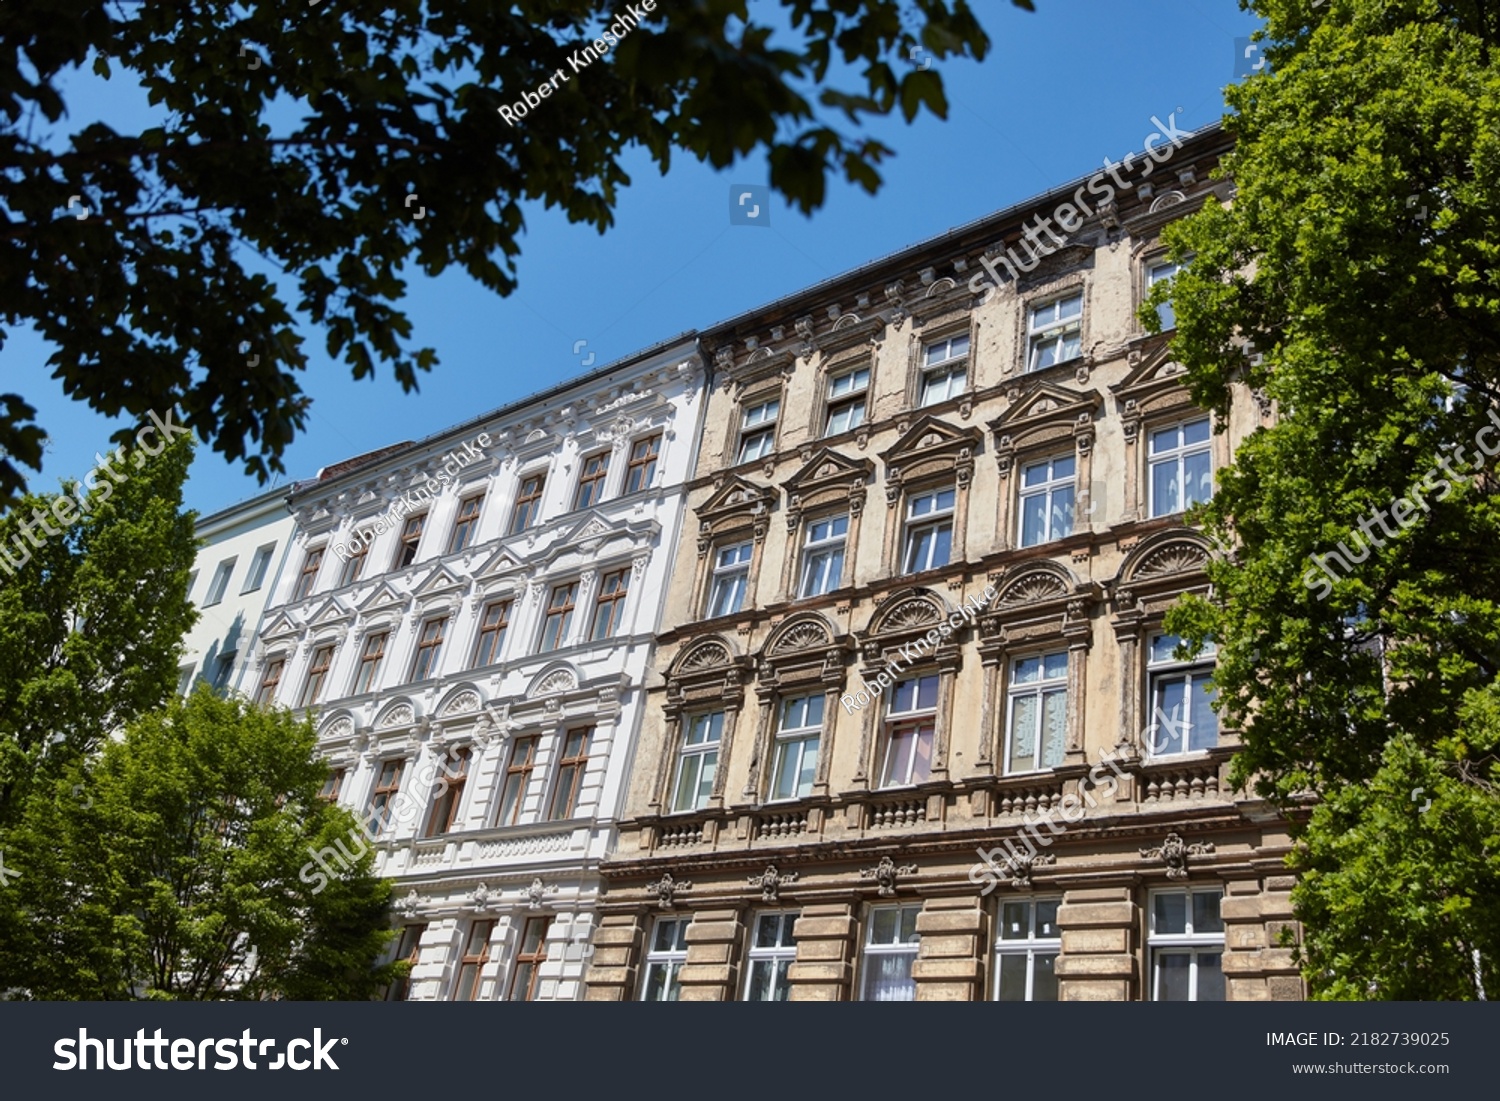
x,y
1060,90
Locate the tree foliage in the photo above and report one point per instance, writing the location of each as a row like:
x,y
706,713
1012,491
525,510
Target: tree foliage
x,y
172,868
291,137
1358,258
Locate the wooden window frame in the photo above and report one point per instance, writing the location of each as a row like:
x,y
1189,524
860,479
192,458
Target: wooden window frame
x,y
317,675
609,605
370,661
426,646
446,807
520,771
354,563
561,614
383,794
591,481
572,769
411,540
492,635
412,933
307,579
466,523
528,504
270,680
473,963
529,964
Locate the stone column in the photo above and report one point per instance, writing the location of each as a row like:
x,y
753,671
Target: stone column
x,y
826,954
950,959
713,941
1098,958
614,967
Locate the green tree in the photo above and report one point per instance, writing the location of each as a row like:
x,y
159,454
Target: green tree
x,y
1358,258
179,866
92,611
291,137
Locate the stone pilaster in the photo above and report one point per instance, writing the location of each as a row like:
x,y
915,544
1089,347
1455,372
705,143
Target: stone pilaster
x,y
1098,957
713,941
826,954
1257,966
614,968
949,965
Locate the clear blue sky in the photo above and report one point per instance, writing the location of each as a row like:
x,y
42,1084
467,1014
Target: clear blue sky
x,y
1060,90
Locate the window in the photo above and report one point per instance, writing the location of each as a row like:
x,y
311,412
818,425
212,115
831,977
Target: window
x,y
1056,332
929,530
192,580
1187,947
1182,696
184,679
698,761
309,575
369,663
354,563
758,430
444,814
910,725
731,577
528,503
387,786
334,785
529,959
945,369
1047,490
429,649
664,960
559,615
846,401
890,949
259,565
1038,713
823,555
796,753
517,780
570,772
466,524
476,955
223,670
591,481
409,949
411,535
220,582
317,675
642,467
609,606
773,949
1163,272
269,681
1027,949
492,633
1182,472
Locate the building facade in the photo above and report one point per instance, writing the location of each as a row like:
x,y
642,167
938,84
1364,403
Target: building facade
x,y
915,729
469,618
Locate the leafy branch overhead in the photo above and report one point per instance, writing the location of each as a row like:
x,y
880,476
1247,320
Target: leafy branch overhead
x,y
271,197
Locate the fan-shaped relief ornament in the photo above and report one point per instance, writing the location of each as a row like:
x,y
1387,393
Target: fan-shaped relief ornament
x,y
804,636
341,728
560,680
1172,558
1032,589
709,656
399,716
915,612
461,703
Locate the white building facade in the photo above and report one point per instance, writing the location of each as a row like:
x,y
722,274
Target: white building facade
x,y
470,618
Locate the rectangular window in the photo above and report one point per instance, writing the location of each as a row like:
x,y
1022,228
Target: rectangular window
x,y
559,615
641,470
609,605
259,565
1187,946
929,530
517,780
492,633
529,958
528,503
891,943
823,555
664,960
773,949
1027,951
317,676
1038,713
911,722
309,575
369,663
445,810
846,401
223,670
758,430
408,949
1055,332
1182,469
945,369
796,753
1164,272
731,577
387,786
476,955
429,650
354,563
411,536
334,785
698,761
220,583
1182,697
269,680
591,480
1047,490
571,772
466,524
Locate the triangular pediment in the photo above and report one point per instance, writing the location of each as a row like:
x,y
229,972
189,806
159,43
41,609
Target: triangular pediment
x,y
330,612
1045,403
828,468
1155,372
383,596
441,580
281,626
501,561
930,436
735,495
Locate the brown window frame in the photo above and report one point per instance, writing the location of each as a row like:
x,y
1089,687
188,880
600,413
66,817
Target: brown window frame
x,y
520,772
309,575
610,604
387,790
426,646
411,940
370,661
317,675
561,613
354,563
590,481
447,805
528,503
472,963
571,770
492,635
529,963
334,785
466,523
411,539
635,480
270,680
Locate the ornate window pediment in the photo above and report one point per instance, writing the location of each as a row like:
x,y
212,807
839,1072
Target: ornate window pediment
x,y
553,680
827,478
382,597
1159,569
281,628
931,448
803,648
1155,385
735,505
442,580
1039,601
1046,415
502,561
903,617
399,712
464,699
708,672
330,614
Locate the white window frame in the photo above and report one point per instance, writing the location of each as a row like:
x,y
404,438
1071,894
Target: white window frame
x,y
1190,943
758,430
1171,728
783,952
259,566
1048,328
1028,947
818,555
800,739
217,587
1177,454
730,573
1040,690
951,371
670,960
1048,489
852,400
698,752
1162,270
932,521
872,950
915,716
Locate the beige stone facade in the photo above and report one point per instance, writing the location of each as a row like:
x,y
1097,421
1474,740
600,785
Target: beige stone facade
x,y
980,495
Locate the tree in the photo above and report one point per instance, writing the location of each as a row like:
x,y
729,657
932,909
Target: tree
x,y
1355,606
93,607
301,134
176,867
